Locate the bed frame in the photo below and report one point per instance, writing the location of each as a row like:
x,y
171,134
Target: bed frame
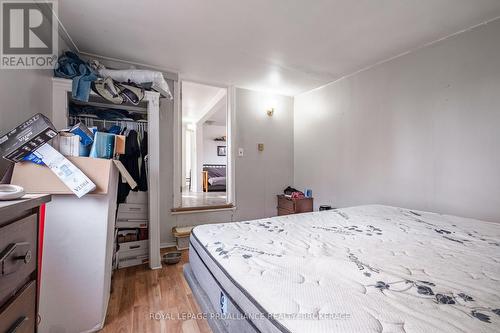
x,y
204,175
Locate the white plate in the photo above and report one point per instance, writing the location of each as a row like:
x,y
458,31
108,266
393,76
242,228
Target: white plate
x,y
10,192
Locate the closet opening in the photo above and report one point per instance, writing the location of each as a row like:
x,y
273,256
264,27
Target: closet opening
x,y
137,126
204,147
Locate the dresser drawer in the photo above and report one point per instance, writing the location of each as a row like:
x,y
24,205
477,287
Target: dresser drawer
x,y
19,315
304,205
282,212
18,255
285,203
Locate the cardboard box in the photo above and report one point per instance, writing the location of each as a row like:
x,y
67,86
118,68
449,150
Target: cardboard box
x,y
137,245
127,258
27,137
127,235
138,197
72,177
67,144
130,261
132,224
85,135
120,144
125,174
36,178
128,212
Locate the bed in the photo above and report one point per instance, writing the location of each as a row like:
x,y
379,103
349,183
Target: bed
x,y
360,269
214,178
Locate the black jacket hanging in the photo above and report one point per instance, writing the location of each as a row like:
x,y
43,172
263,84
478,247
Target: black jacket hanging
x,y
143,180
131,162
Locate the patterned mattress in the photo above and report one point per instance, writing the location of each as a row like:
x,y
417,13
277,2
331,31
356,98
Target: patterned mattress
x,y
359,269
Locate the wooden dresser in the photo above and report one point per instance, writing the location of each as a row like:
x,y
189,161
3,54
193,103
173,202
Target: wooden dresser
x,y
287,206
19,225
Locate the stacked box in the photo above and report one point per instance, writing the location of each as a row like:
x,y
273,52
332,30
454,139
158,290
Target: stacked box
x,y
27,137
132,216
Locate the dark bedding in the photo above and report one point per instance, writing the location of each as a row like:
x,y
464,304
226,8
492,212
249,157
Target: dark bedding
x,y
216,177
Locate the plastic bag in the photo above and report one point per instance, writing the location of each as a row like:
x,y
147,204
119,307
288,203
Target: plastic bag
x,y
140,76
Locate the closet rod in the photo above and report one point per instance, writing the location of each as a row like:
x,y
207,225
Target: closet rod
x,y
144,121
141,125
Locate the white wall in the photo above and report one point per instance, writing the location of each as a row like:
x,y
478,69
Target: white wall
x,y
420,131
184,150
259,175
197,179
210,132
22,94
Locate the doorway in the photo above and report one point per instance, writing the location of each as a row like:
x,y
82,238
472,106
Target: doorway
x,y
204,138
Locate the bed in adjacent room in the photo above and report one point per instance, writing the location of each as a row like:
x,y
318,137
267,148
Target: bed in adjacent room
x,y
359,269
214,178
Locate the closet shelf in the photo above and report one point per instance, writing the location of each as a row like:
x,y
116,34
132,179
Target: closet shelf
x,y
100,102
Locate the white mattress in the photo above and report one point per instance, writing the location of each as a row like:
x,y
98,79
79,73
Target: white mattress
x,y
359,269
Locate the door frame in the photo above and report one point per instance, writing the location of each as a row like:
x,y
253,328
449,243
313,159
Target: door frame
x,y
177,131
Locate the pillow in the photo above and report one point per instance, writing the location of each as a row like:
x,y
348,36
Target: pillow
x,y
217,181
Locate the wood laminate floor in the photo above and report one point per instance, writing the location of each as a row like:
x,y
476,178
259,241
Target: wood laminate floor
x,y
139,293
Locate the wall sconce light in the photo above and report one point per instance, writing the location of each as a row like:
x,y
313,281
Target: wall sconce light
x,y
270,112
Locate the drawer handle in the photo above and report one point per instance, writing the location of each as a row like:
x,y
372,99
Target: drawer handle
x,y
134,209
135,247
26,258
18,324
8,251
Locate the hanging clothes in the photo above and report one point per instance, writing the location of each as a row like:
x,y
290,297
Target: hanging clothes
x,y
143,181
131,162
133,126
